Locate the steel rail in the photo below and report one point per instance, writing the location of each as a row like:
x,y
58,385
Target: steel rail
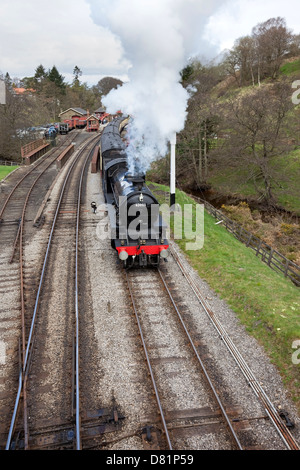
x,y
25,204
27,174
17,185
217,398
23,296
25,367
77,365
271,411
40,162
20,237
148,362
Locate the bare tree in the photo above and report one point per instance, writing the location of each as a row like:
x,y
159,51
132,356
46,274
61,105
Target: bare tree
x,y
240,62
11,115
195,142
106,84
273,42
261,55
258,123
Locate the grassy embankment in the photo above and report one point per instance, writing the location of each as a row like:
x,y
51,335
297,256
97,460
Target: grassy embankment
x,y
265,302
279,231
234,181
5,170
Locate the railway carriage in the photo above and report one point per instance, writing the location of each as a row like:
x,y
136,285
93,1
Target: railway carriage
x,y
63,128
70,123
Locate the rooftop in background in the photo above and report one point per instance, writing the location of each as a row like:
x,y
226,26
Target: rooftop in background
x,y
21,91
81,111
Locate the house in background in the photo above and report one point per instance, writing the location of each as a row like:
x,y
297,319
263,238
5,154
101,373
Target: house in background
x,y
79,118
100,112
92,123
73,113
23,91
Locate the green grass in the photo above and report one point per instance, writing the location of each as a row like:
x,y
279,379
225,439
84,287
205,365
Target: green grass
x,y
236,181
233,181
289,194
266,302
290,67
5,170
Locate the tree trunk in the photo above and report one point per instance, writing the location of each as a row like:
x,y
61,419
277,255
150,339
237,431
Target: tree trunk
x,y
205,150
200,162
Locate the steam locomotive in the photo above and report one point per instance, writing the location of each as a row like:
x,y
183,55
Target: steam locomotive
x,y
137,228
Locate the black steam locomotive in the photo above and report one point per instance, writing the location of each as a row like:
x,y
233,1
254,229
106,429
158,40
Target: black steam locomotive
x,y
137,228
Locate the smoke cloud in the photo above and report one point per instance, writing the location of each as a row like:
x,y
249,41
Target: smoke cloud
x,y
158,37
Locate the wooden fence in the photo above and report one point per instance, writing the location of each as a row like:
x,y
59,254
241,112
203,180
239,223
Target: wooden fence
x,y
268,255
9,163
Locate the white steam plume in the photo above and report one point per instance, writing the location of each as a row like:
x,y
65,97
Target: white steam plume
x,y
158,36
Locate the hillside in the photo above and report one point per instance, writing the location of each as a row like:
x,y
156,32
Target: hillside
x,y
255,184
234,178
240,278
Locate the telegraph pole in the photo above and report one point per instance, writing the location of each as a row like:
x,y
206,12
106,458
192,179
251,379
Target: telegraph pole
x,y
172,170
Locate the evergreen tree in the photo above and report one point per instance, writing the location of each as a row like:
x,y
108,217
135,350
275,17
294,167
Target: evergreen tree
x,y
55,77
77,73
8,81
40,74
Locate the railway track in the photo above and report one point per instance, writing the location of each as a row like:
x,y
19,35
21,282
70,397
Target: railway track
x,y
16,188
187,409
37,377
198,421
175,376
281,426
21,195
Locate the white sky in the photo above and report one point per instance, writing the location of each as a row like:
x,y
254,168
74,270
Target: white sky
x,y
62,33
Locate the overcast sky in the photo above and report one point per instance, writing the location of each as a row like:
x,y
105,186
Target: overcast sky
x,y
66,33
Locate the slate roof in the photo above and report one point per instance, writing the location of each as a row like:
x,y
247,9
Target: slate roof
x,y
77,110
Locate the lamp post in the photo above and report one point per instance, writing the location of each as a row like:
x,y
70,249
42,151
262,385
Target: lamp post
x,y
172,170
